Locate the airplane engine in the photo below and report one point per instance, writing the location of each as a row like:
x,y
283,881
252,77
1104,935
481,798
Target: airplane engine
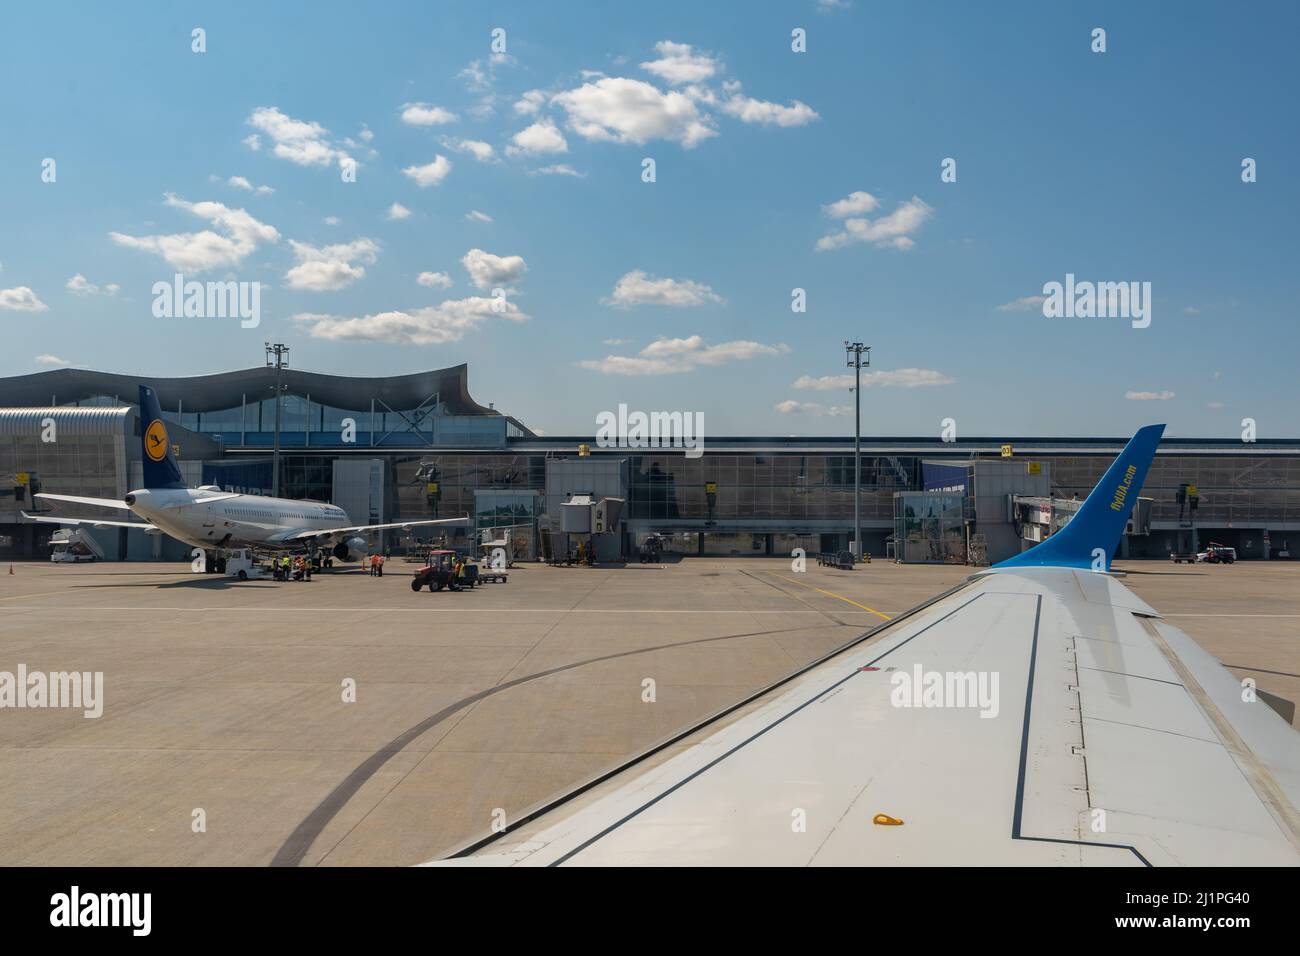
x,y
352,550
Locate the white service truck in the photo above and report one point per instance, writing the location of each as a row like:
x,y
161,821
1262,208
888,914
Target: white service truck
x,y
241,564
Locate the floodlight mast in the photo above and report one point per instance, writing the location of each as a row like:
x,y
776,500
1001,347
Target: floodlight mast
x,y
859,357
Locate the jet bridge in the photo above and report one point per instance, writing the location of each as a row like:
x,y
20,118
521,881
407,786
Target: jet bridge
x,y
1036,518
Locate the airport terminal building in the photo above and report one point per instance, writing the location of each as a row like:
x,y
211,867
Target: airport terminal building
x,y
419,446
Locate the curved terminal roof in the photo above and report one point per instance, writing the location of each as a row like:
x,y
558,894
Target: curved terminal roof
x,y
70,421
210,393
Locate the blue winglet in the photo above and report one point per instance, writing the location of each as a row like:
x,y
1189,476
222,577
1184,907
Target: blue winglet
x,y
1089,540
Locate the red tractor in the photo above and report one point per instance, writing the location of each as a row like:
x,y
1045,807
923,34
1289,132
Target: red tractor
x,y
439,573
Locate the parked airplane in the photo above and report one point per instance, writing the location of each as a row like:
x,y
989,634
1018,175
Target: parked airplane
x,y
218,521
1038,714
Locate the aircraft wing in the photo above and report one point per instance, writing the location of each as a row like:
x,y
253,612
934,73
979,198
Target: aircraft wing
x,y
93,522
334,534
1108,739
1040,714
79,500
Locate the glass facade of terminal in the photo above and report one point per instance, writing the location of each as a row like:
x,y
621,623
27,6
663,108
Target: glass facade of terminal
x,y
794,488
1233,489
797,489
89,465
308,424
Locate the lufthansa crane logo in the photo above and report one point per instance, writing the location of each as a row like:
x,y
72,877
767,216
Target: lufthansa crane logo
x,y
155,440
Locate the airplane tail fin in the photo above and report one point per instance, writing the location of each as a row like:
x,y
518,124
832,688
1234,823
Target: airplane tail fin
x,y
160,468
1091,536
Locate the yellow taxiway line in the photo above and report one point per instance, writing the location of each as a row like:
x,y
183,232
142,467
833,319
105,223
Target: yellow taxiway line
x,y
838,597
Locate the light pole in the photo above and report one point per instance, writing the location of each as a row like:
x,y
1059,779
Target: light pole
x,y
855,351
275,357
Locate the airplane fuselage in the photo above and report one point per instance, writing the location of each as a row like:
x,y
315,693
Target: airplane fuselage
x,y
208,518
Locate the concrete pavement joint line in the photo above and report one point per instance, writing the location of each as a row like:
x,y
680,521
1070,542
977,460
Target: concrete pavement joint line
x,y
427,611
795,597
460,718
1230,615
14,597
1260,670
838,597
295,848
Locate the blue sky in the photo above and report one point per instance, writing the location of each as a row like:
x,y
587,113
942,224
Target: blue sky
x,y
672,295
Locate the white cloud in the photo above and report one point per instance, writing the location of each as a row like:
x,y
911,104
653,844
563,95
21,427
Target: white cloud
x,y
50,360
430,174
489,271
897,378
302,142
397,211
252,141
558,169
241,182
1026,303
617,109
21,299
891,230
540,138
424,114
637,288
674,356
334,220
475,77
435,325
475,216
434,280
330,268
765,113
854,204
200,251
531,103
1148,396
678,63
482,80
480,150
80,285
1214,405
791,407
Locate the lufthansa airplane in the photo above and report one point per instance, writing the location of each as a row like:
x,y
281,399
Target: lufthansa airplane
x,y
1109,739
218,521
